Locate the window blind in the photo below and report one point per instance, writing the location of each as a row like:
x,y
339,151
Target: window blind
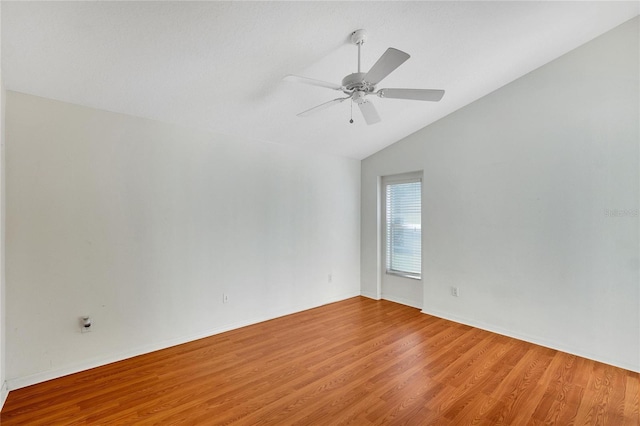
x,y
404,230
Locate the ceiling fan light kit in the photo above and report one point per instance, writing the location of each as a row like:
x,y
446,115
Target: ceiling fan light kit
x,y
359,85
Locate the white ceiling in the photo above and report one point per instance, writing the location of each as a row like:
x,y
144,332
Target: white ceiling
x,y
219,65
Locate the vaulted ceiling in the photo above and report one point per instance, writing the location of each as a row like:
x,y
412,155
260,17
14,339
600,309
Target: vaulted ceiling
x,y
219,65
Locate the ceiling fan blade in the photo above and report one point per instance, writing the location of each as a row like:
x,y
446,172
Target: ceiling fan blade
x,y
389,61
415,94
369,112
322,106
312,82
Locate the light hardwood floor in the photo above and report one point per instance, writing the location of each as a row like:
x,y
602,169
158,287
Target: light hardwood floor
x,y
358,361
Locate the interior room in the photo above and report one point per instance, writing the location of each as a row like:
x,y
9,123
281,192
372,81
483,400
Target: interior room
x,y
176,171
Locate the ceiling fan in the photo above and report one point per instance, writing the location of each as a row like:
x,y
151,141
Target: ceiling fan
x,y
359,85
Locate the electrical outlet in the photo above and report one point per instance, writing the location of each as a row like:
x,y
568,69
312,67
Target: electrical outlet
x,y
225,298
455,292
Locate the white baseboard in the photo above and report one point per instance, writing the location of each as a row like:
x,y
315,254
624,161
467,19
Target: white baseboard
x,y
20,382
531,339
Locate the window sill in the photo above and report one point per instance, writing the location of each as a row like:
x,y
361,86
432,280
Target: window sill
x,y
404,275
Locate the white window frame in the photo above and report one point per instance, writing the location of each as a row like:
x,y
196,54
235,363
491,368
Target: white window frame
x,y
393,180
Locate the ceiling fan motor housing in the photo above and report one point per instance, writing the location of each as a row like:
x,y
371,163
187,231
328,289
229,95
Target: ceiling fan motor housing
x,y
355,83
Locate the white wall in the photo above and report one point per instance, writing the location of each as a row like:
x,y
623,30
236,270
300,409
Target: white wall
x,y
3,388
144,226
4,392
517,187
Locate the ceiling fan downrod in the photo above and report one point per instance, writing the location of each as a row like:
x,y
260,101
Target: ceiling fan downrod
x,y
358,37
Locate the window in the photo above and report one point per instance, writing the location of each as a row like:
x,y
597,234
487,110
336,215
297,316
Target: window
x,y
403,228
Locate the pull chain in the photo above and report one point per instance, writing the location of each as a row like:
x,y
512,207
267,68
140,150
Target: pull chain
x,y
351,121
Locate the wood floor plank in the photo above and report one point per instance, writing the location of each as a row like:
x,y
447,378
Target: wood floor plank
x,y
473,382
517,388
557,397
475,411
595,406
357,362
632,394
406,398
